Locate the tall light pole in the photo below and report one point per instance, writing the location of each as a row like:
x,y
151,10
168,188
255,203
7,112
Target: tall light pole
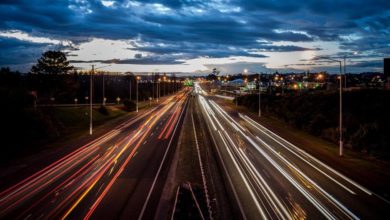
x,y
152,85
158,88
345,66
340,105
90,99
137,79
345,73
259,95
103,90
91,96
130,81
164,79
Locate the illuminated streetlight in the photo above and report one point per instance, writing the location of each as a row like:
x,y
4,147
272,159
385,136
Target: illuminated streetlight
x,y
164,79
137,79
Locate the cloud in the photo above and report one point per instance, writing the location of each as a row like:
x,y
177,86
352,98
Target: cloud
x,y
188,29
14,51
144,61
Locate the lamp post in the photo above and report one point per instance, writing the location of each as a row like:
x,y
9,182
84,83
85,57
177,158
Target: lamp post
x,y
158,88
345,67
152,85
103,96
137,79
340,105
169,86
164,79
91,96
130,74
90,100
259,95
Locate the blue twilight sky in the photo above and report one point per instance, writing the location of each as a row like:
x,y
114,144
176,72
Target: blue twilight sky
x,y
196,35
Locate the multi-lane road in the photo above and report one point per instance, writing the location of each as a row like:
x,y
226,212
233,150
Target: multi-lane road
x,y
119,175
270,178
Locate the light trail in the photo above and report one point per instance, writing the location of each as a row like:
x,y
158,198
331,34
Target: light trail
x,y
249,188
73,177
262,128
252,170
108,187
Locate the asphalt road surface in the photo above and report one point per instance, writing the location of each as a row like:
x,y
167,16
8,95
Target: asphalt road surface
x,y
119,175
274,179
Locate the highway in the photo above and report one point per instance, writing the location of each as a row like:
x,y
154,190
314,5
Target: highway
x,y
271,178
119,175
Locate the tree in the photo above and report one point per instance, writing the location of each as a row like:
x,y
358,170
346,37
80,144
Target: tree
x,y
52,62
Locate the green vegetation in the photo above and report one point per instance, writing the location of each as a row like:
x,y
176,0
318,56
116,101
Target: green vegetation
x,y
366,116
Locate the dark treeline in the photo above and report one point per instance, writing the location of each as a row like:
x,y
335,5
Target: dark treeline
x,y
366,116
65,88
28,118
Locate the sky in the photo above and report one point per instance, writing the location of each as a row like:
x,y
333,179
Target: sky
x,y
195,36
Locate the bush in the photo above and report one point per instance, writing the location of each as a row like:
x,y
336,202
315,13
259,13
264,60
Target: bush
x,y
129,105
103,110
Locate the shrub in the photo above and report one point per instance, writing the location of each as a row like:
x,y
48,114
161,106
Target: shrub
x,y
103,110
129,105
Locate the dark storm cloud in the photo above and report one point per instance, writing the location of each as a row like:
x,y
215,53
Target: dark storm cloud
x,y
194,28
19,52
156,60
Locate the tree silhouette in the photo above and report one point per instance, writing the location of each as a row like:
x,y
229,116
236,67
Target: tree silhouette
x,y
52,62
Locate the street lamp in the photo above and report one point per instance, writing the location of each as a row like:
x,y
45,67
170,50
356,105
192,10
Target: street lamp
x,y
158,88
340,105
164,79
130,74
91,95
345,66
137,79
259,95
